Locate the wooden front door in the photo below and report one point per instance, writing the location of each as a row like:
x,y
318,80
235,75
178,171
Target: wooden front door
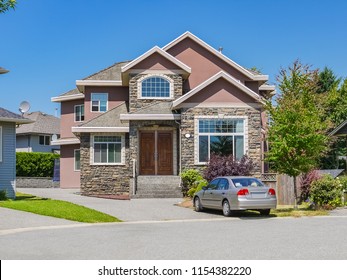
x,y
156,156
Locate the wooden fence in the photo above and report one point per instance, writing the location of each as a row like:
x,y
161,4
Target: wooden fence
x,y
284,186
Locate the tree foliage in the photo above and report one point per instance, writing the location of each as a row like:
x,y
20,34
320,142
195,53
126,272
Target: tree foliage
x,y
297,134
6,5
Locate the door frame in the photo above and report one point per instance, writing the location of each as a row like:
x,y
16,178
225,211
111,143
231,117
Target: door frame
x,y
175,149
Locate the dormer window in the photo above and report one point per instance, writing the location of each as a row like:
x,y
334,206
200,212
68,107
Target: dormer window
x,y
156,87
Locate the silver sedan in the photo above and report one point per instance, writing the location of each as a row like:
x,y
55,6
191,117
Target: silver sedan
x,y
236,193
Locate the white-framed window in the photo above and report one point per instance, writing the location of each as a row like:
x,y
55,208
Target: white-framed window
x,y
108,149
99,102
79,113
44,140
155,87
77,159
0,143
224,136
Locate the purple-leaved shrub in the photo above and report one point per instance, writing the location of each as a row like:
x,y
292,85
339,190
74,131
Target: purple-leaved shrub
x,y
220,165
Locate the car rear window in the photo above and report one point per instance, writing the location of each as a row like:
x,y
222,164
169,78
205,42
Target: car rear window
x,y
247,182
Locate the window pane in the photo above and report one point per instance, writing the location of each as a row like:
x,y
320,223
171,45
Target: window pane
x,y
41,140
111,153
118,150
77,160
97,153
103,153
239,147
47,140
103,106
155,87
239,126
221,145
203,148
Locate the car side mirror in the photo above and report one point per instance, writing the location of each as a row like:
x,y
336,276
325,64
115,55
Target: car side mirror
x,y
205,188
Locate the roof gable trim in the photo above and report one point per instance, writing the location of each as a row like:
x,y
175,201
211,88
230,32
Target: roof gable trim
x,y
220,74
243,70
153,50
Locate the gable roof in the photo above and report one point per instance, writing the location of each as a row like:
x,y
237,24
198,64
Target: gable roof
x,y
250,74
72,94
163,53
110,76
221,74
106,122
340,129
8,116
42,123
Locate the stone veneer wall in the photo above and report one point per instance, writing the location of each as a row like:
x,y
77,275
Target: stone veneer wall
x,y
136,126
104,180
254,133
135,103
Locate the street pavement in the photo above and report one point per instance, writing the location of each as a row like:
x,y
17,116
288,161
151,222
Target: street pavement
x,y
158,229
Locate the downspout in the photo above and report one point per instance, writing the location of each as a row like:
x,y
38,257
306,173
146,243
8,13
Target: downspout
x,y
134,177
179,151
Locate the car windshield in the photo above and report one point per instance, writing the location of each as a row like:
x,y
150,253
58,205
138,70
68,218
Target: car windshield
x,y
247,182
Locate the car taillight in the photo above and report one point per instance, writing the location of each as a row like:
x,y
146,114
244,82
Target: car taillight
x,y
243,192
272,192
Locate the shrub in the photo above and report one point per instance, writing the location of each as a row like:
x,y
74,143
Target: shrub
x,y
35,164
326,192
306,181
197,186
189,178
227,166
3,195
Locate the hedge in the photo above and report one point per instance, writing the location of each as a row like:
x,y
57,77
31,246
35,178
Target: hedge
x,y
35,164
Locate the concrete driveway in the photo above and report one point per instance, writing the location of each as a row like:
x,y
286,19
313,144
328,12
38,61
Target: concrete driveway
x,y
156,209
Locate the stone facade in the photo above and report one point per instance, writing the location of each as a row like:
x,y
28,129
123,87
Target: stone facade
x,y
136,103
104,180
252,134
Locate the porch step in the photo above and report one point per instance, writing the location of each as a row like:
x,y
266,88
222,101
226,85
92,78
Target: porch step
x,y
158,187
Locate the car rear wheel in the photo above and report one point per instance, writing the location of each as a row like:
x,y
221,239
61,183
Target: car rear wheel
x,y
226,208
265,212
197,204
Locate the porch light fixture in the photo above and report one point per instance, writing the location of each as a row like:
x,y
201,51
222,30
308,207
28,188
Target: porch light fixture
x,y
187,135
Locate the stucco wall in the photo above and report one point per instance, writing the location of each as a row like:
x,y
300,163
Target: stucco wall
x,y
69,178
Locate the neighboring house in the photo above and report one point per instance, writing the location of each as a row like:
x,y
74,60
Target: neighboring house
x,y
37,136
8,123
136,125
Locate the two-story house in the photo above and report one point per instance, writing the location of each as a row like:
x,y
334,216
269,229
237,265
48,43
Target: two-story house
x,y
130,129
37,136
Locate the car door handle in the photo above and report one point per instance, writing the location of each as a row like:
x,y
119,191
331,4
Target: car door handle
x,y
223,193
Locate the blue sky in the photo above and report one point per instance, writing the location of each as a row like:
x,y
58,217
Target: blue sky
x,y
47,45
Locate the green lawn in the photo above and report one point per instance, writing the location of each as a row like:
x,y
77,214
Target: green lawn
x,y
57,208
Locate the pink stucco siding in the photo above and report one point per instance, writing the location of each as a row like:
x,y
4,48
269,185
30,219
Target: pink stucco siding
x,y
69,178
116,96
68,117
221,91
155,62
203,63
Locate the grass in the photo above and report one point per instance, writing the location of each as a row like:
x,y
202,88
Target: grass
x,y
57,208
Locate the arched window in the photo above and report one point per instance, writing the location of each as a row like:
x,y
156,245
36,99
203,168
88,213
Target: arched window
x,y
155,87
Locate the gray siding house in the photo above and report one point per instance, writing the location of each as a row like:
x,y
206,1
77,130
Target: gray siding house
x,y
8,122
37,136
